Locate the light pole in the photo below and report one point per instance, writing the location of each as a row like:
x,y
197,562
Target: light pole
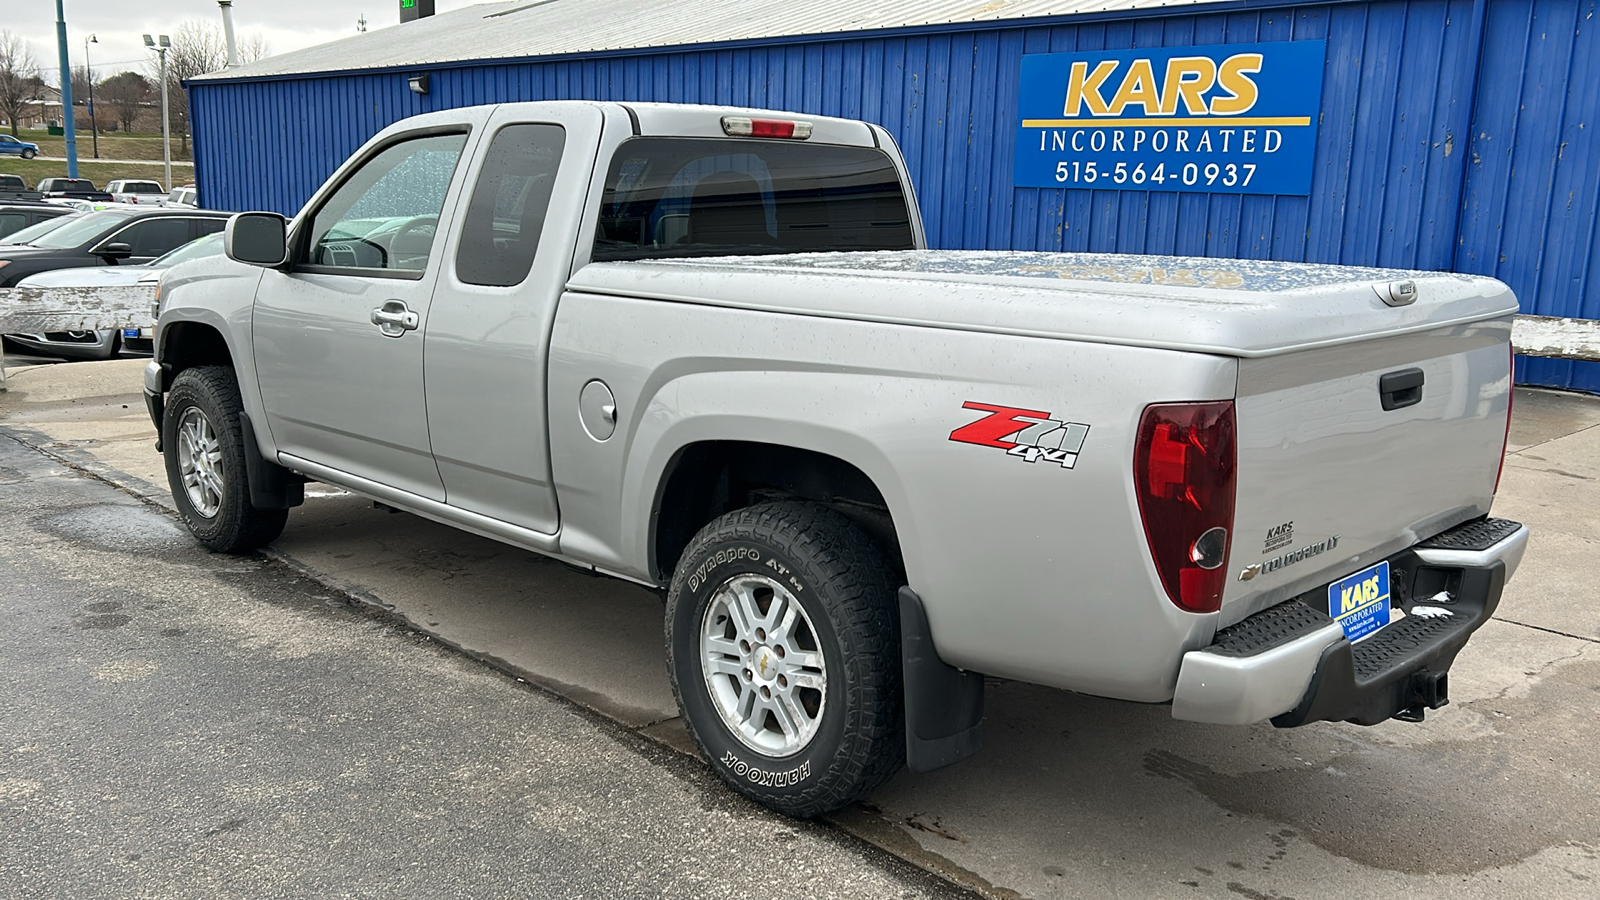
x,y
94,126
166,130
66,92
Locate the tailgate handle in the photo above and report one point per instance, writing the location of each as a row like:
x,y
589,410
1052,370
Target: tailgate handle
x,y
1401,389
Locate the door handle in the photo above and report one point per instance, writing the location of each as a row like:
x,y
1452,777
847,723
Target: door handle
x,y
1398,390
394,319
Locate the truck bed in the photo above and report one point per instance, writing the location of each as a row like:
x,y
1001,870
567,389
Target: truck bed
x,y
1240,308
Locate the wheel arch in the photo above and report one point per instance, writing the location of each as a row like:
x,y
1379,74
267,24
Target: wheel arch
x,y
186,343
704,478
203,338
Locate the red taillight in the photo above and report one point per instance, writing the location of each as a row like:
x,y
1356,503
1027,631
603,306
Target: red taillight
x,y
740,126
1183,470
1511,393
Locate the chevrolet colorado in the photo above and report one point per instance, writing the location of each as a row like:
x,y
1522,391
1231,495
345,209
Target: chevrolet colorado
x,y
707,350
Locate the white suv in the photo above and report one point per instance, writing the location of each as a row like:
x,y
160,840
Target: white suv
x,y
185,197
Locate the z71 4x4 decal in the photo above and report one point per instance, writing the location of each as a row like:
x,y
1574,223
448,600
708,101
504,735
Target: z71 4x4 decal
x,y
1024,433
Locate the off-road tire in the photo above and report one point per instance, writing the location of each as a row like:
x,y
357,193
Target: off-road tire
x,y
236,526
846,587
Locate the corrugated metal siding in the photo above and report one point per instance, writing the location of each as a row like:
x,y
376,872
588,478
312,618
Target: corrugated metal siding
x,y
1398,130
1532,194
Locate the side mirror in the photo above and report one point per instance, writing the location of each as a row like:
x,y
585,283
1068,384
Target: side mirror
x,y
257,238
114,252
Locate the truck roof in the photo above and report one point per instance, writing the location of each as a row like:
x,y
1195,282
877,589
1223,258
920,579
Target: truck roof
x,y
658,119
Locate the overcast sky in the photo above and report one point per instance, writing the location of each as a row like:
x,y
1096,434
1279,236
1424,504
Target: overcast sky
x,y
117,24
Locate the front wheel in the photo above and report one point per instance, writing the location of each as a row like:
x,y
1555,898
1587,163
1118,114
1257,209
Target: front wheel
x,y
205,450
28,154
783,643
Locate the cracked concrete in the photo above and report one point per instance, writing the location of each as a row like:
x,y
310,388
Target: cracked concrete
x,y
1072,796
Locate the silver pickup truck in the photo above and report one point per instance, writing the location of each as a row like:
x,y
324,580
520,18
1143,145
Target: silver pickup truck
x,y
706,350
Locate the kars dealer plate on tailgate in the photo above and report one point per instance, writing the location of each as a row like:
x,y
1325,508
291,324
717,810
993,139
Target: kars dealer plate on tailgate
x,y
1360,603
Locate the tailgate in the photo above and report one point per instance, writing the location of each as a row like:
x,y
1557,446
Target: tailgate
x,y
1329,481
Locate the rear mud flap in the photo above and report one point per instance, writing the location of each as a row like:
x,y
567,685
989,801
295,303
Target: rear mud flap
x,y
944,705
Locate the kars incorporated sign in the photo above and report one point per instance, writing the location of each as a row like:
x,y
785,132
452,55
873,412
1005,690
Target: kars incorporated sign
x,y
1230,118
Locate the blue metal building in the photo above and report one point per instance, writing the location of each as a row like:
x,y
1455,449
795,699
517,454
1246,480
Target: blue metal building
x,y
1452,134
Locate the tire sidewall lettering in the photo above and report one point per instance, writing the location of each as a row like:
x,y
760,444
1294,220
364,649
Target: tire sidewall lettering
x,y
778,774
720,558
767,778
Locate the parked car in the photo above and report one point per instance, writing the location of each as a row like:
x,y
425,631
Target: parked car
x,y
78,205
130,191
11,183
24,236
122,234
186,197
1248,490
16,216
10,146
71,188
104,344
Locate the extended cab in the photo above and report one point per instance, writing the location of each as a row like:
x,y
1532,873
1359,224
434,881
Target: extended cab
x,y
706,350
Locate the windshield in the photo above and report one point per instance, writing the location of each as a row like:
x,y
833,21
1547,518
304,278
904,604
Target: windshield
x,y
81,229
682,197
210,245
27,235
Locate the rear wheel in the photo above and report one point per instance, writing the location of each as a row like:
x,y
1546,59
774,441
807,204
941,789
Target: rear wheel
x,y
784,649
204,446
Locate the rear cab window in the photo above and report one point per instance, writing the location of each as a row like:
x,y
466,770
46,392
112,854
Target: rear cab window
x,y
670,198
506,214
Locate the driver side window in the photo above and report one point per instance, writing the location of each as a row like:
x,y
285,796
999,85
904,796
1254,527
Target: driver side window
x,y
386,215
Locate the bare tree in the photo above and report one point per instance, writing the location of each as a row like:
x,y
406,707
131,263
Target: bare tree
x,y
253,47
197,49
19,77
80,84
128,94
84,87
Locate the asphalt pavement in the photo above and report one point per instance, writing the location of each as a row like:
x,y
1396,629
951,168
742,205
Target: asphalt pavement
x,y
1492,796
179,724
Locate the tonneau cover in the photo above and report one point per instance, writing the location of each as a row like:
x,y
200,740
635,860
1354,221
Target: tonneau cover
x,y
1246,308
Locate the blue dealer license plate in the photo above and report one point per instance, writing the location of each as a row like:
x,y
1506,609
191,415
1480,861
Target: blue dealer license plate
x,y
130,332
1360,603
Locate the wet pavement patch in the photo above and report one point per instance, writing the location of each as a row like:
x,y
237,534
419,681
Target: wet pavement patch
x,y
1454,807
116,527
103,623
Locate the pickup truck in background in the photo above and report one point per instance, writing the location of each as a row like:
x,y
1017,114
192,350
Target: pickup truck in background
x,y
71,189
707,350
140,191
